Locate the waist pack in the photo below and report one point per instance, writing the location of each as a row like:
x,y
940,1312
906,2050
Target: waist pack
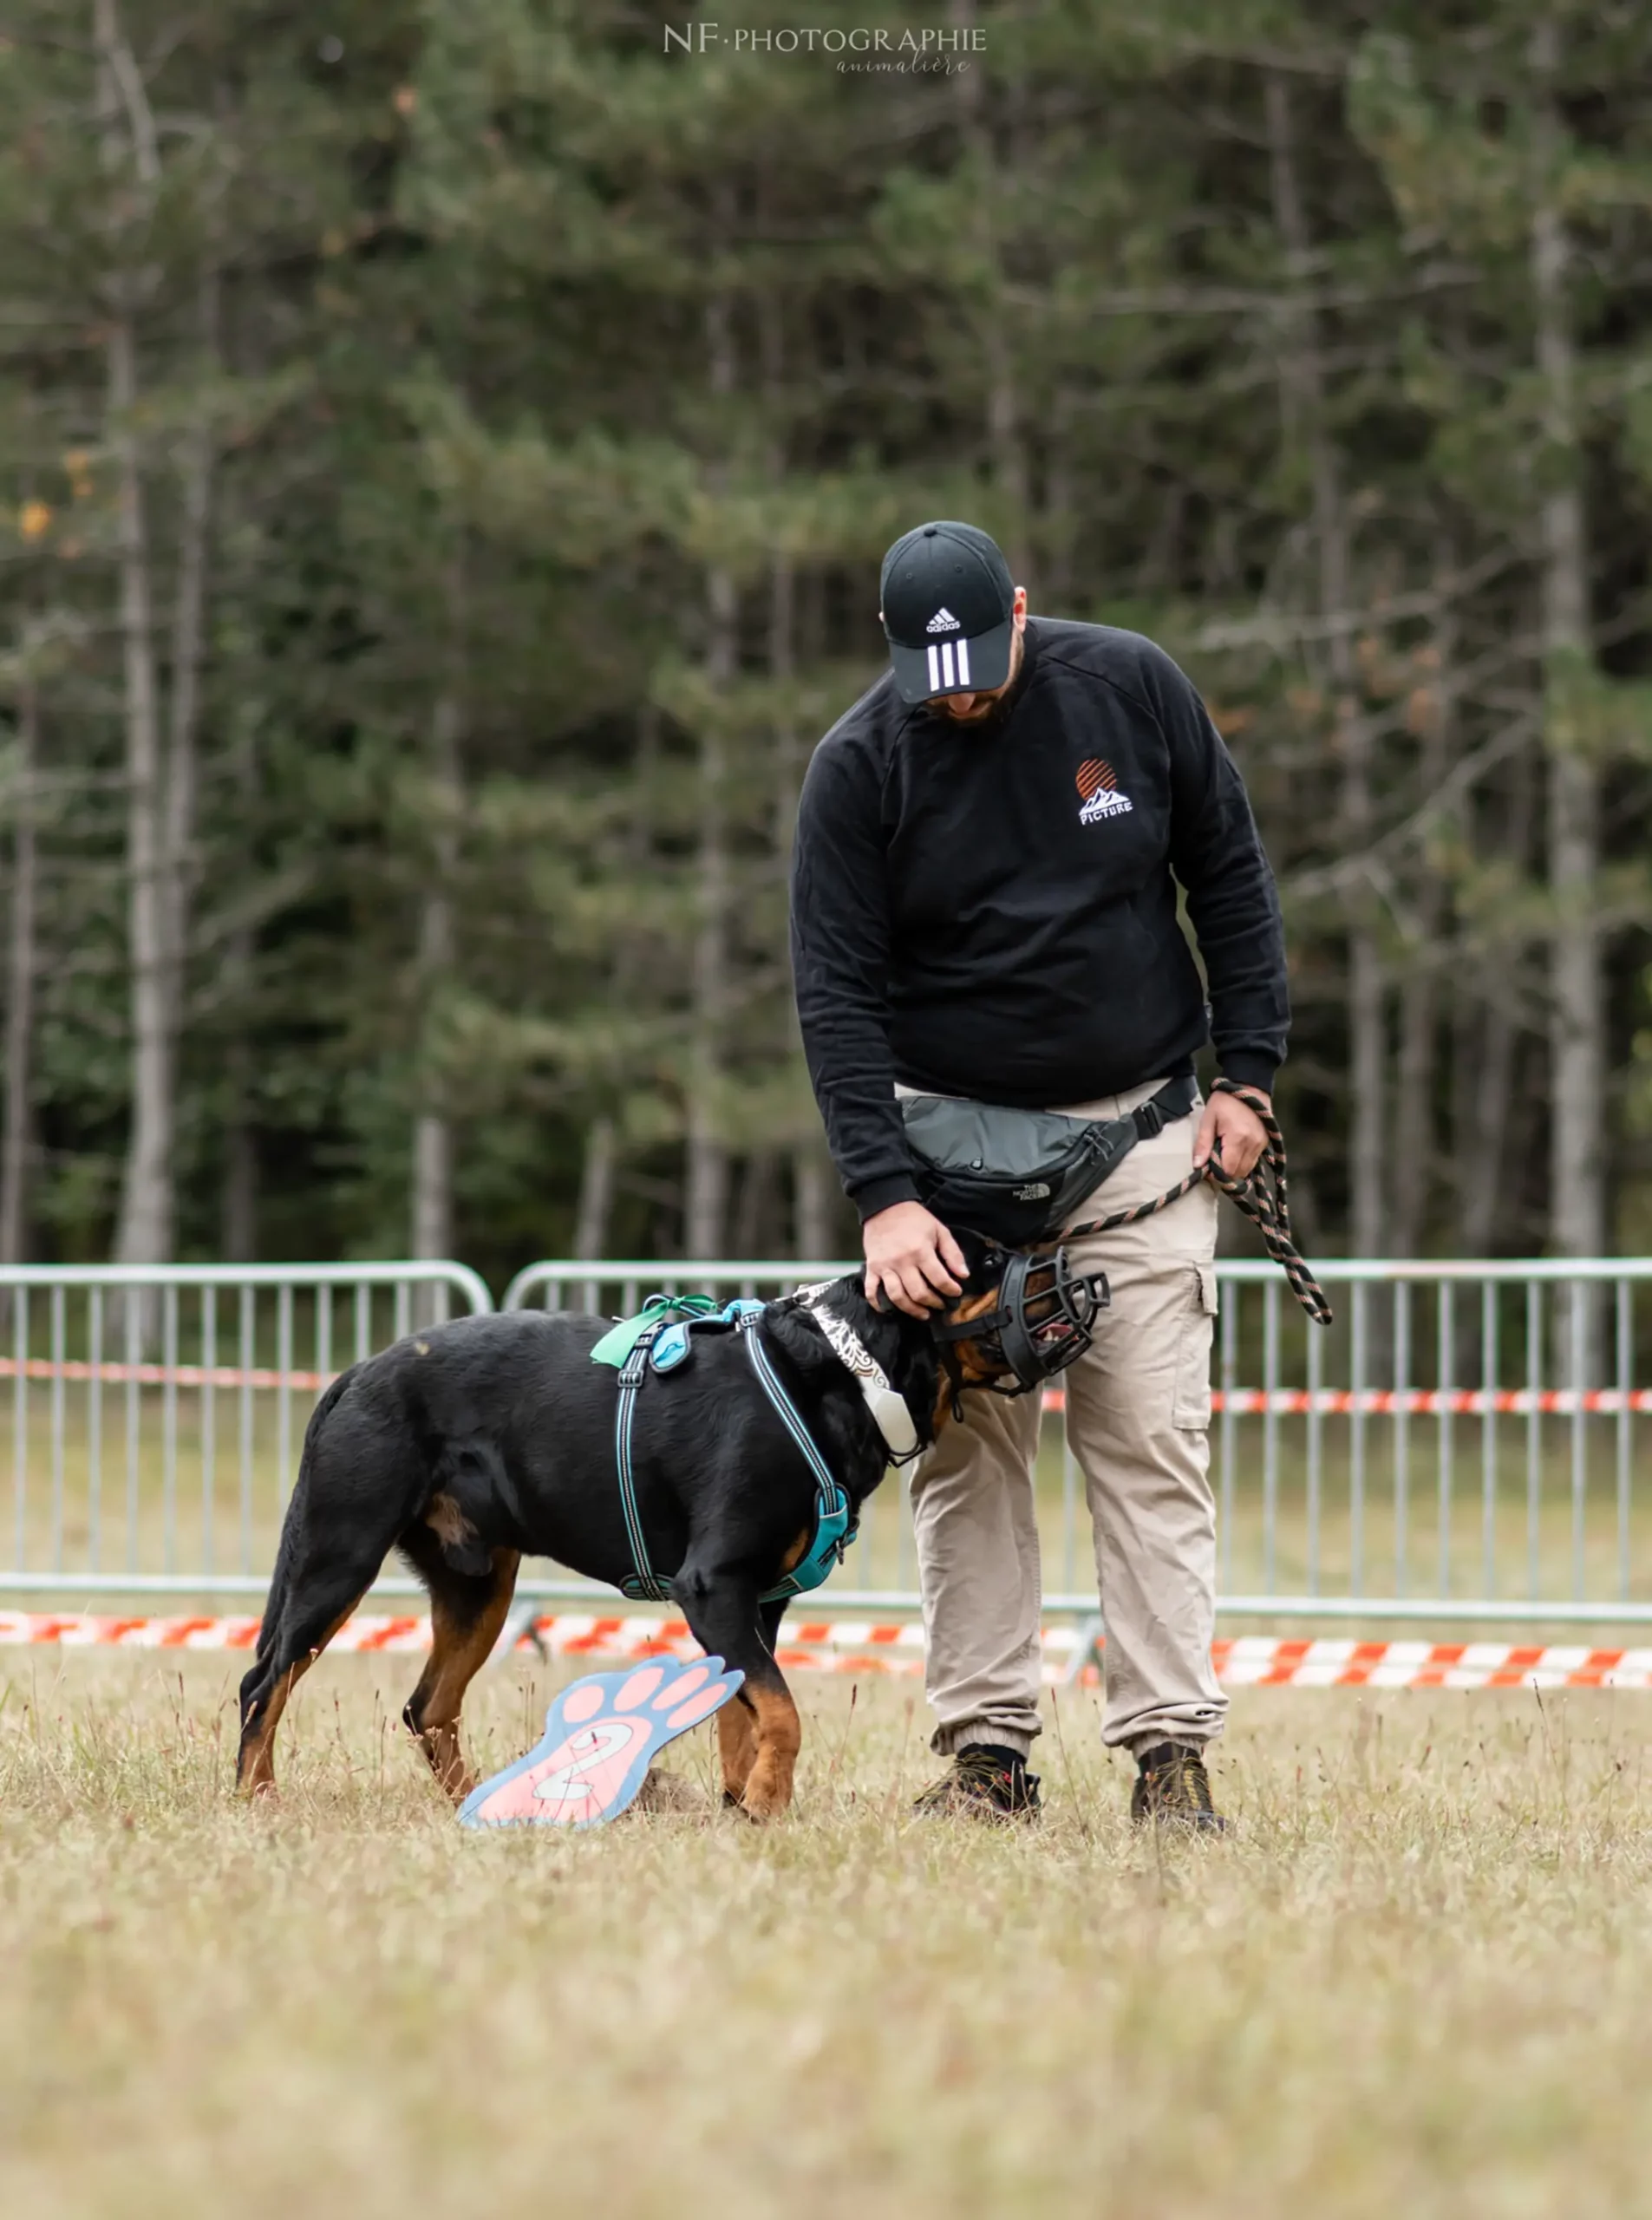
x,y
1018,1176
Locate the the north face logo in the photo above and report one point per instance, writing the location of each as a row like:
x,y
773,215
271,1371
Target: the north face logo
x,y
1099,795
943,620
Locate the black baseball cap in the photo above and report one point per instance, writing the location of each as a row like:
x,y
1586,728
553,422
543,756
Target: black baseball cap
x,y
948,603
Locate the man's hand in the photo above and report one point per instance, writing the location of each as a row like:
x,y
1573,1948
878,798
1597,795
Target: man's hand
x,y
912,1259
1242,1134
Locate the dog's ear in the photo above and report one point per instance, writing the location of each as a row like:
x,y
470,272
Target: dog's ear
x,y
851,1301
800,1336
980,1256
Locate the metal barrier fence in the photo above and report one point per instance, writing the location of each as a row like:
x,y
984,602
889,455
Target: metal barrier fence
x,y
1462,1446
156,1412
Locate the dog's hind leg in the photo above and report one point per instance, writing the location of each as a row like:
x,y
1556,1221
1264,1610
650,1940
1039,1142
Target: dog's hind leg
x,y
466,1616
327,1560
266,1688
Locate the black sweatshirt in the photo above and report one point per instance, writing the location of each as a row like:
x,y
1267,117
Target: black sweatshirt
x,y
989,910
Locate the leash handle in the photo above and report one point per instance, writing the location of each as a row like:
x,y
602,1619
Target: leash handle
x,y
1263,1195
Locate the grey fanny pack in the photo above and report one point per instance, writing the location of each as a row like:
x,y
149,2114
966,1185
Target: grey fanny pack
x,y
1019,1176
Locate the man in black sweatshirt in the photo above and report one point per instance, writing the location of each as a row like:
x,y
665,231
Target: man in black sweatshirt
x,y
984,905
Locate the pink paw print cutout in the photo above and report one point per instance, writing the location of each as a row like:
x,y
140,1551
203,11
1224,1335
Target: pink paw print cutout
x,y
600,1736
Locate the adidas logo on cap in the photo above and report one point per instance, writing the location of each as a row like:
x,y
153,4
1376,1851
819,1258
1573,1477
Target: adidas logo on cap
x,y
943,620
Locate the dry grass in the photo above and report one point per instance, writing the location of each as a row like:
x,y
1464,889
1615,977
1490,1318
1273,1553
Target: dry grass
x,y
1414,1983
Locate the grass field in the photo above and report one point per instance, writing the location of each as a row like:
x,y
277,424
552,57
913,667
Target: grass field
x,y
1413,1983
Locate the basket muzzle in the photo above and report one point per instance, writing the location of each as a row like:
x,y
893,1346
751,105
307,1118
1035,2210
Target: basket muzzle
x,y
1043,1318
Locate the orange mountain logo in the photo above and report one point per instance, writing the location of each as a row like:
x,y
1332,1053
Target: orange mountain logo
x,y
1099,795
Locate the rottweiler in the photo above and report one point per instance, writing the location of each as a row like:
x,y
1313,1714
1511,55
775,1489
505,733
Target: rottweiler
x,y
473,1444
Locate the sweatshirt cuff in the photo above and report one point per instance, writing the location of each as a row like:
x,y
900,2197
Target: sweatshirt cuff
x,y
1251,1068
883,1194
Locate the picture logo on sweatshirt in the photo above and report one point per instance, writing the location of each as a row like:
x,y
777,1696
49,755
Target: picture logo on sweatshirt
x,y
1099,795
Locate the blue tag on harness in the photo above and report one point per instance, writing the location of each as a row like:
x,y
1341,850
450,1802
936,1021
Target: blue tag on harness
x,y
670,1348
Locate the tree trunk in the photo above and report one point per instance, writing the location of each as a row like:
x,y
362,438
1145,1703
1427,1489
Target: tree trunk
x,y
15,1174
1482,1147
1482,1184
707,1208
160,793
188,632
808,1187
238,1203
1577,1024
1413,1121
1302,380
596,1192
238,1217
706,1213
755,1207
433,1167
814,1188
432,1185
144,1231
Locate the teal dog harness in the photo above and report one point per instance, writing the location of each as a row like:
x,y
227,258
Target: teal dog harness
x,y
658,1341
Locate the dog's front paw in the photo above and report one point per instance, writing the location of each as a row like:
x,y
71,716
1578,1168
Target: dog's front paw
x,y
769,1792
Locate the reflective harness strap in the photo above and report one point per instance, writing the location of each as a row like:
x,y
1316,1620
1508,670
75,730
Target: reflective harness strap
x,y
835,1529
643,1586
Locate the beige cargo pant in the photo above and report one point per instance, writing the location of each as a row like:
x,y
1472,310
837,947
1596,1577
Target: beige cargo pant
x,y
1137,1418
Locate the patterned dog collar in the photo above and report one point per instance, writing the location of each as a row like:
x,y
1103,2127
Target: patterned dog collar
x,y
889,1411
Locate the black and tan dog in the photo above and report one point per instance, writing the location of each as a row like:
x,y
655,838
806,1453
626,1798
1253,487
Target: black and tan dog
x,y
476,1443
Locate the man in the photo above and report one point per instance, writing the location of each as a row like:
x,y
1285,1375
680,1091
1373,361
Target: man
x,y
984,905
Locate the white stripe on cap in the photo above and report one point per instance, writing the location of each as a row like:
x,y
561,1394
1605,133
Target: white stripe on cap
x,y
935,670
963,663
946,663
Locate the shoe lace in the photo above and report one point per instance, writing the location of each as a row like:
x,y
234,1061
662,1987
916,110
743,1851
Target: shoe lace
x,y
1197,1784
978,1765
976,1768
1179,1782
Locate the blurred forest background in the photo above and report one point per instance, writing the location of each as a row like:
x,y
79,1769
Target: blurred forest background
x,y
445,453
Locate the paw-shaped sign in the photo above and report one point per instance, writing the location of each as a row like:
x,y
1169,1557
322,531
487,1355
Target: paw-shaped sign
x,y
599,1737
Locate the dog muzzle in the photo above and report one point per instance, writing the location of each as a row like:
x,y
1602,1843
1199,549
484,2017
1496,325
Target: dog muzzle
x,y
1045,1317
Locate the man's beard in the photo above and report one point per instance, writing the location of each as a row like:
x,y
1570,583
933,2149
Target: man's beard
x,y
980,712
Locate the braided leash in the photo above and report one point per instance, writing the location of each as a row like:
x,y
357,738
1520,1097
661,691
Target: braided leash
x,y
1262,1195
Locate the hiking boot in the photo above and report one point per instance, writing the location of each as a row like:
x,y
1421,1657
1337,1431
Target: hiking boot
x,y
986,1781
1172,1789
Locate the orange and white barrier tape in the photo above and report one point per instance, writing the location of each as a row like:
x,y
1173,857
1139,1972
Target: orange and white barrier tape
x,y
854,1647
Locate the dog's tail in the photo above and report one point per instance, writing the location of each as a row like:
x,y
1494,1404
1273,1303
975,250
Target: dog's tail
x,y
293,1525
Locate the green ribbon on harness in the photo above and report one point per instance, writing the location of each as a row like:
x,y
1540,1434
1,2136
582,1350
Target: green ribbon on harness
x,y
620,1340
